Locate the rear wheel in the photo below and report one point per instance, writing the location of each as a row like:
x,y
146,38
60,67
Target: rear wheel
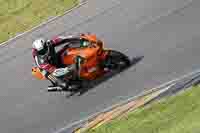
x,y
116,60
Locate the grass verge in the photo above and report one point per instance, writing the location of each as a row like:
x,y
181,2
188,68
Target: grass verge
x,y
177,114
17,16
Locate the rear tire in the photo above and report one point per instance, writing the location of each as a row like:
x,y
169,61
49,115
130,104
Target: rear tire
x,y
116,60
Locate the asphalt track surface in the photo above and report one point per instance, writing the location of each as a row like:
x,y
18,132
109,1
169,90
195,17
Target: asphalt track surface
x,y
167,38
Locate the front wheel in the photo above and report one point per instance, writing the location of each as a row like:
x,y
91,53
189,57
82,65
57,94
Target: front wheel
x,y
116,60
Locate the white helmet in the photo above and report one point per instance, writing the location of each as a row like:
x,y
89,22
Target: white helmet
x,y
40,46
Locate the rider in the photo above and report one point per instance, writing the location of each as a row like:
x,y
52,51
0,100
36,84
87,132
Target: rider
x,y
45,57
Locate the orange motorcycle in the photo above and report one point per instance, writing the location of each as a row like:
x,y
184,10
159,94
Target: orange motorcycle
x,y
92,61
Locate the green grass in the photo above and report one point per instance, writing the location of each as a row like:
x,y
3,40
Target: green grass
x,y
17,16
180,114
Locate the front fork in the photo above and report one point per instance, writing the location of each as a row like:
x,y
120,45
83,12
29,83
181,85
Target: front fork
x,y
78,61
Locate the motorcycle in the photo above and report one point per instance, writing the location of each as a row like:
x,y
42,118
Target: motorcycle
x,y
92,62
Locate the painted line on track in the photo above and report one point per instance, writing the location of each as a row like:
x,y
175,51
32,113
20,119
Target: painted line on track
x,y
122,110
81,3
144,92
164,85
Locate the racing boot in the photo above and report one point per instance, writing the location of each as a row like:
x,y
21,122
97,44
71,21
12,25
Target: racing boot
x,y
54,88
58,84
72,88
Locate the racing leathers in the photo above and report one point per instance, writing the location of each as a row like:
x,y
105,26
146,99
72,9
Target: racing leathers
x,y
49,63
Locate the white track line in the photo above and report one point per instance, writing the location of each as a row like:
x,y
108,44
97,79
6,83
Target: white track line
x,y
129,99
43,23
144,92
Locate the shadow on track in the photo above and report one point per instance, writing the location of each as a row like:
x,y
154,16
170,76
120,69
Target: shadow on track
x,y
92,84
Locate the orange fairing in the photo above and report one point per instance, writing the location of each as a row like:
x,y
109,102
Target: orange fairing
x,y
90,37
36,72
92,56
